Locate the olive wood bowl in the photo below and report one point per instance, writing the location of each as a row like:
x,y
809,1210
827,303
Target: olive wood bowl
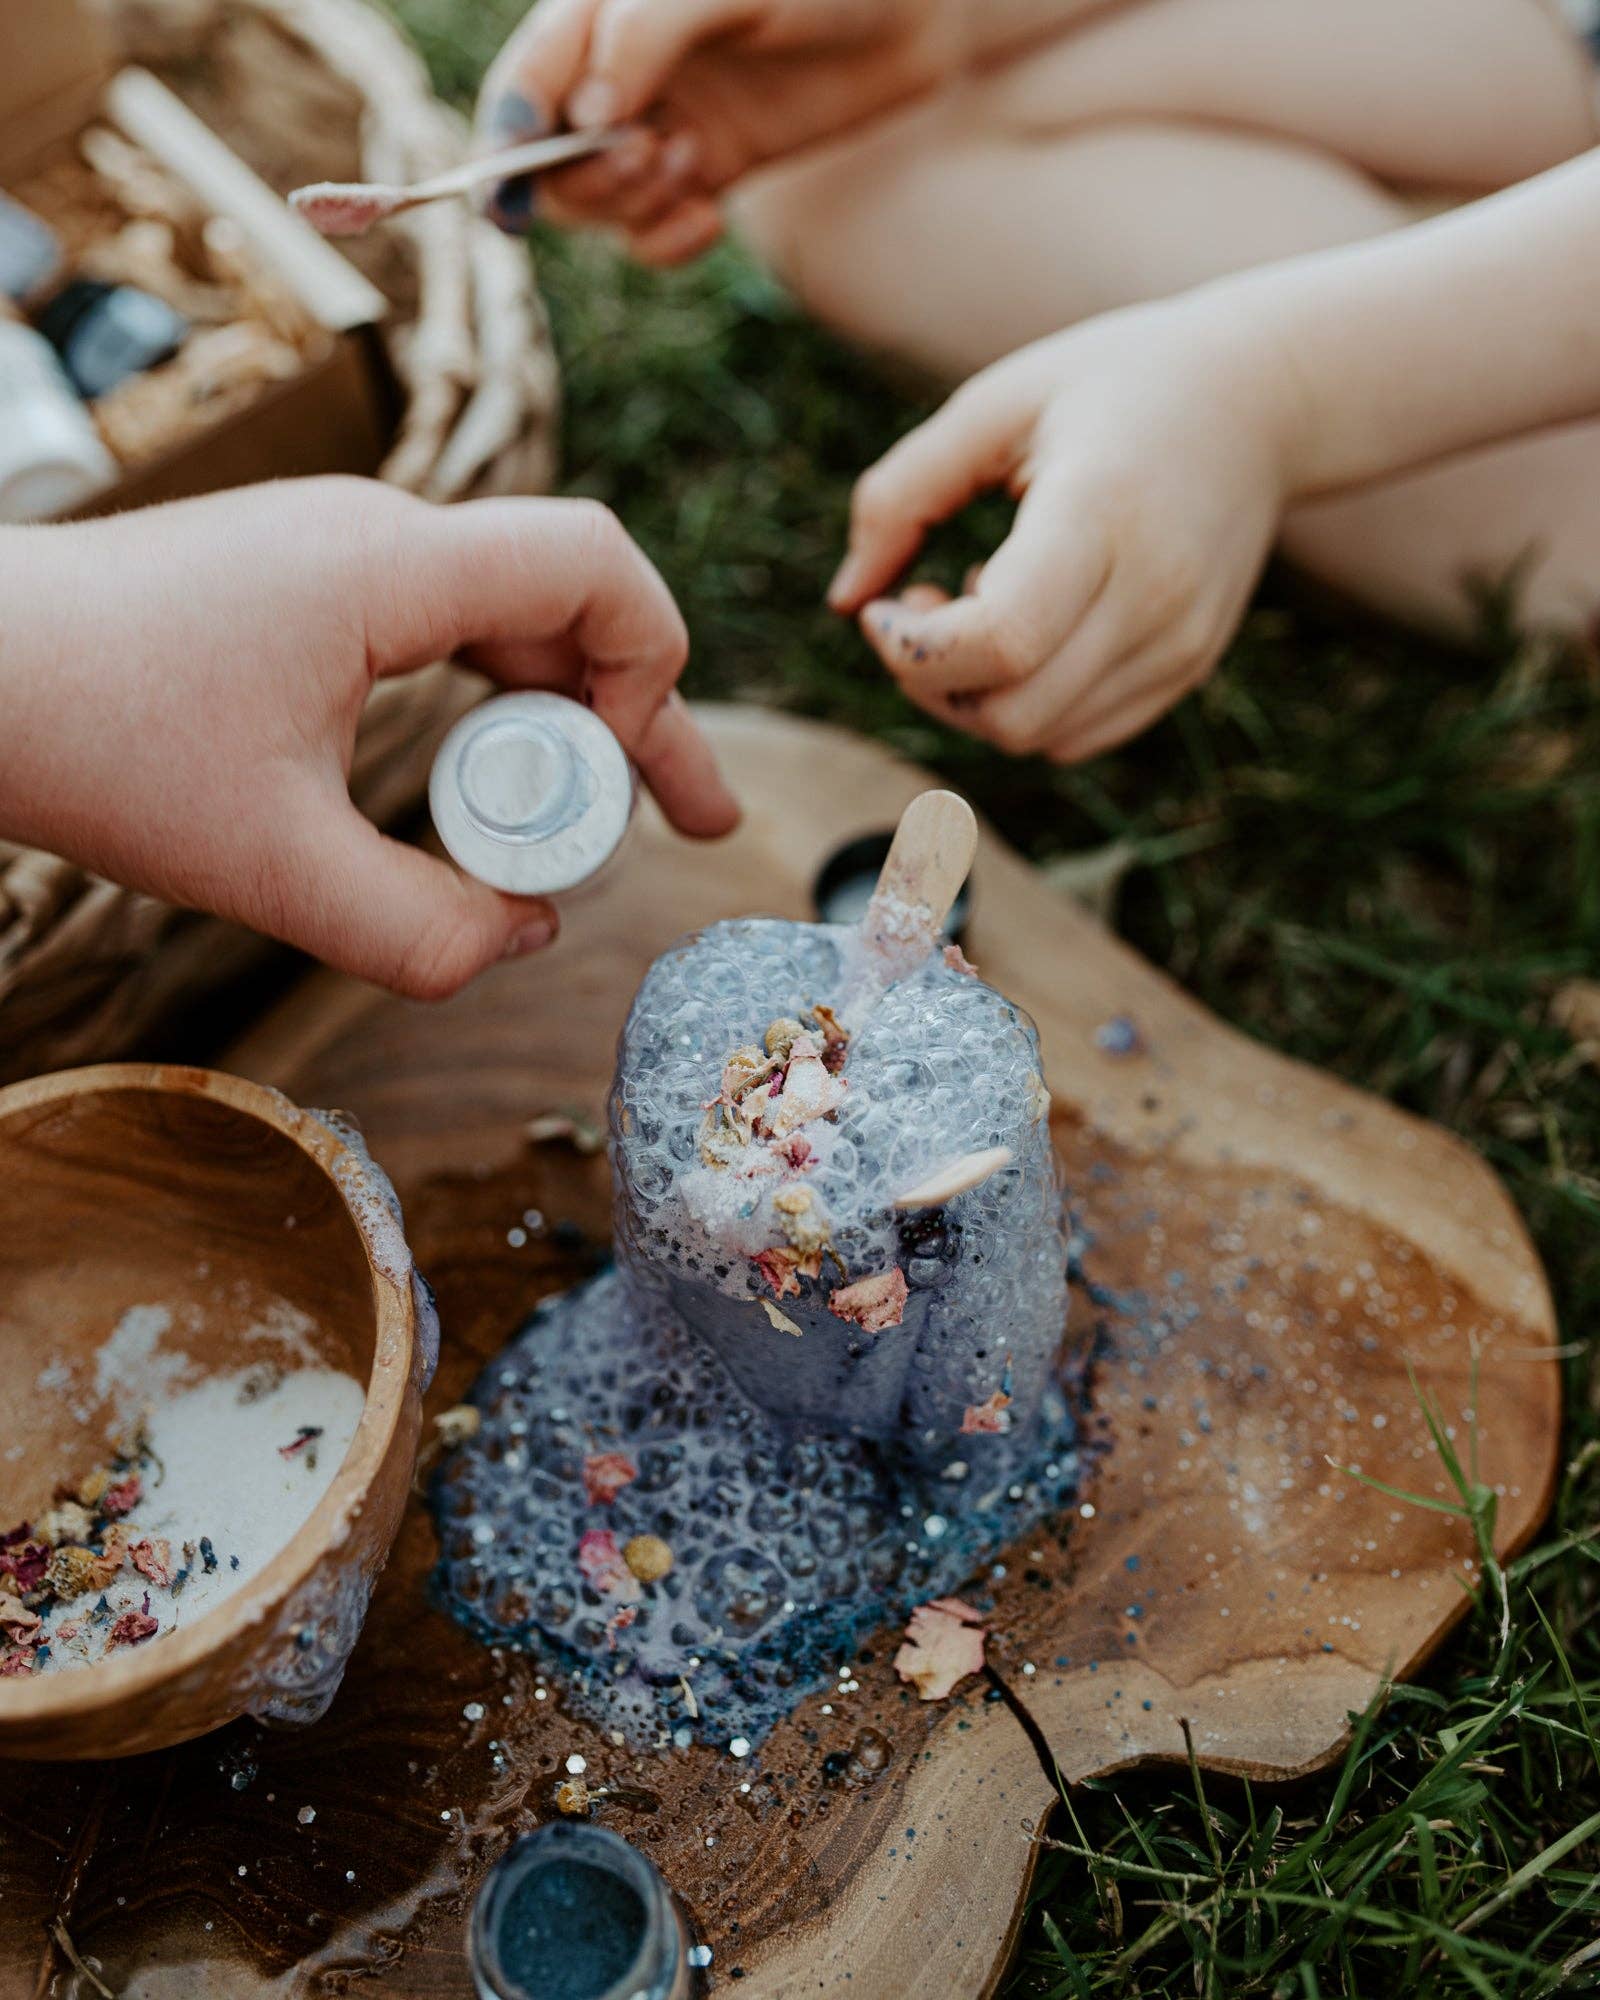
x,y
126,1184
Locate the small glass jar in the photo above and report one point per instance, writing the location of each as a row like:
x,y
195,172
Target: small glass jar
x,y
531,793
30,253
51,456
106,333
572,1912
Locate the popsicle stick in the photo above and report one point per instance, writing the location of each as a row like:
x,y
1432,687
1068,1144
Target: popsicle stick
x,y
929,860
970,1171
347,208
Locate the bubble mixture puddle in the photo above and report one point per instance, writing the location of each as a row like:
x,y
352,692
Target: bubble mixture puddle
x,y
813,1475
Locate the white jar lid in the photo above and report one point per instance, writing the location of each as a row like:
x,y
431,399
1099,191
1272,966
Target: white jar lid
x,y
531,793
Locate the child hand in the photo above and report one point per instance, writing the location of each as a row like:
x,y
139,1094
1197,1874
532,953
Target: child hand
x,y
1150,452
181,690
719,87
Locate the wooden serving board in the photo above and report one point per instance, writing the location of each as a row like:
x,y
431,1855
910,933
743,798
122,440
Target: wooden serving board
x,y
1264,1253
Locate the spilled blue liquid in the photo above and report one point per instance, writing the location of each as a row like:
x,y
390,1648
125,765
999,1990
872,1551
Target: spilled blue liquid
x,y
813,1484
788,1553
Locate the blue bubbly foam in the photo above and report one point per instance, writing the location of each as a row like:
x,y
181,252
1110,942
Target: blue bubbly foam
x,y
811,1489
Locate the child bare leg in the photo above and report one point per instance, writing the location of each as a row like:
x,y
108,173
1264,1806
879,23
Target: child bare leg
x,y
956,231
1460,94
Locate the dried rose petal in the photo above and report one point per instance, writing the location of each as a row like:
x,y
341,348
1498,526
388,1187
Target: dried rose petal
x,y
153,1559
68,1631
778,1267
17,1621
990,1417
19,1660
133,1628
835,1039
605,1473
808,1091
872,1303
943,1645
24,1564
797,1152
602,1565
123,1497
619,1621
958,961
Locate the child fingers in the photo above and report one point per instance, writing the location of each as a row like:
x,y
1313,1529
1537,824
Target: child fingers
x,y
1137,692
1025,718
933,471
553,587
553,593
589,190
635,47
679,766
385,911
523,91
633,186
510,573
687,231
1034,593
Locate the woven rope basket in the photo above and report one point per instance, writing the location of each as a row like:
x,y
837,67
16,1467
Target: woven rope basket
x,y
304,90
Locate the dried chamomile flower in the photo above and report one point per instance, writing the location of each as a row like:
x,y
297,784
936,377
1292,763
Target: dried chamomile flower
x,y
781,1037
67,1521
75,1569
648,1557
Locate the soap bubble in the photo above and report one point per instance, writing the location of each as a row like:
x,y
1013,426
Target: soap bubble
x,y
791,1478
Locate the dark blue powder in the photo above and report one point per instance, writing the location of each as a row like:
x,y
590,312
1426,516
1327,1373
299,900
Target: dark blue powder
x,y
570,1931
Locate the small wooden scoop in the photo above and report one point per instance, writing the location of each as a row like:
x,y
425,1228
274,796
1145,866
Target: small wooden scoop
x,y
348,208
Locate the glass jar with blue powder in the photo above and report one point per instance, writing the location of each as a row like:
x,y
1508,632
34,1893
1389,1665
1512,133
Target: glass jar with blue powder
x,y
572,1912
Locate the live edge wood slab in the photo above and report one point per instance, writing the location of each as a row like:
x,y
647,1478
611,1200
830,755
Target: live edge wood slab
x,y
1263,1253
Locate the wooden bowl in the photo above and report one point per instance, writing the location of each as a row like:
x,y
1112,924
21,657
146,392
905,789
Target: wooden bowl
x,y
131,1183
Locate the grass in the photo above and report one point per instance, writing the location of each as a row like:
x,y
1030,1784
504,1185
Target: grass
x,y
1377,855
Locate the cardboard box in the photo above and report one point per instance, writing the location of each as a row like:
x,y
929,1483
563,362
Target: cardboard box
x,y
338,414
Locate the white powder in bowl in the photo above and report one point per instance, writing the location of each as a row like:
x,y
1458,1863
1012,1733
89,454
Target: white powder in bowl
x,y
229,1474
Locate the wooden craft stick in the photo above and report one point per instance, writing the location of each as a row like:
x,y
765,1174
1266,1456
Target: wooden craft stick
x,y
927,864
949,1181
347,208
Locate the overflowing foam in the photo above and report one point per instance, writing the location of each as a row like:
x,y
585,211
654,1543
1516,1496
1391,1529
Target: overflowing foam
x,y
814,1475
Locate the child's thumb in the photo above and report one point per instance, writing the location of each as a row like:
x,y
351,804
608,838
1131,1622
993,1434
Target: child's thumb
x,y
387,912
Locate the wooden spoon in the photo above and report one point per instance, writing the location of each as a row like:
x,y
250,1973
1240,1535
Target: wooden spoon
x,y
349,208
